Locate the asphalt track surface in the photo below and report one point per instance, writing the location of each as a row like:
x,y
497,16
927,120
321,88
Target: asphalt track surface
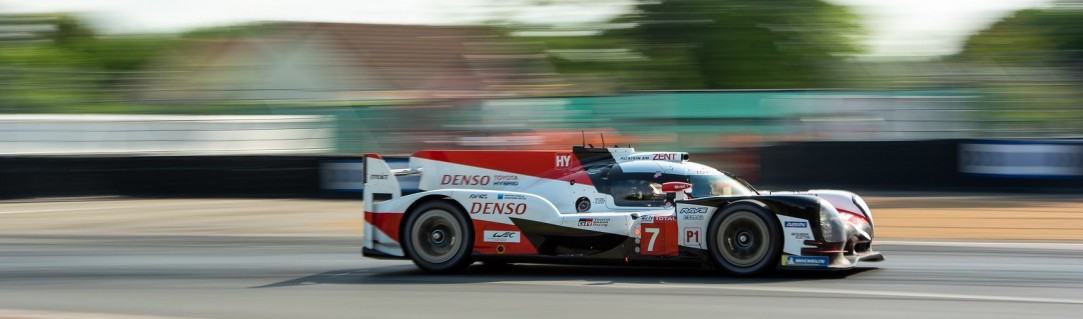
x,y
168,271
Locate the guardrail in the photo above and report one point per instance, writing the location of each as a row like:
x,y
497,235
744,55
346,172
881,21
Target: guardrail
x,y
161,176
938,165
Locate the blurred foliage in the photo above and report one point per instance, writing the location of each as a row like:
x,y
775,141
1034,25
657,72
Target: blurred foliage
x,y
1036,56
70,32
1034,36
74,44
719,44
72,69
223,32
127,53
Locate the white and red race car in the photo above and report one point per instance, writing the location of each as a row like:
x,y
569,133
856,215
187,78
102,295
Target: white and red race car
x,y
595,205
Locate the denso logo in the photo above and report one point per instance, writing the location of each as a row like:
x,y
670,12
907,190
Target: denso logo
x,y
498,208
796,224
465,180
693,210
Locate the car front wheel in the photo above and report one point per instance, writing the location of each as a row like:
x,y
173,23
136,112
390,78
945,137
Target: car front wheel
x,y
745,239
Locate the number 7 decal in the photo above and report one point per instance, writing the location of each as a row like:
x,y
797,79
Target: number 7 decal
x,y
659,238
654,236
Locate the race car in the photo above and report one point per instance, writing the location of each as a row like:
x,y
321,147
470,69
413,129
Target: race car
x,y
603,205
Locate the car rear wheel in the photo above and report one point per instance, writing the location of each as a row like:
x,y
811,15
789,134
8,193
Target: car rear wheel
x,y
745,240
438,238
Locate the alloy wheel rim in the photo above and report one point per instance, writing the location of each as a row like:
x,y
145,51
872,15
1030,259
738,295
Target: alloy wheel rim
x,y
743,240
436,236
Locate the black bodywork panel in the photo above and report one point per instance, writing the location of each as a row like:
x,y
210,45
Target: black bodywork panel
x,y
804,207
563,241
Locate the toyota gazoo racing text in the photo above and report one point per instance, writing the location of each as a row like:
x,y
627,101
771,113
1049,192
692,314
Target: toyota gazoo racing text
x,y
601,205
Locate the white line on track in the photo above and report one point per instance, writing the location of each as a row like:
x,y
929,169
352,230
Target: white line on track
x,y
899,294
39,314
987,244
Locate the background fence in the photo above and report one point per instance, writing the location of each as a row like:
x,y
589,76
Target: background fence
x,y
937,165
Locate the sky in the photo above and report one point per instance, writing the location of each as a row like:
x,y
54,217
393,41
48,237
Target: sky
x,y
928,27
896,27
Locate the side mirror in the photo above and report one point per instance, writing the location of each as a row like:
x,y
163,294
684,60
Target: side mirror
x,y
676,190
673,187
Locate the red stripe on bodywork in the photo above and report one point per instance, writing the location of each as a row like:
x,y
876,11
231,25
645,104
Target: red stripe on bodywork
x,y
523,247
545,164
852,217
385,222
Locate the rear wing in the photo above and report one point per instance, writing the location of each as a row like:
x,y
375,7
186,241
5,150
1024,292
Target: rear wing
x,y
380,182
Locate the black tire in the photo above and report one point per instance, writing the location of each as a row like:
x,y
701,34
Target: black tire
x,y
438,237
745,239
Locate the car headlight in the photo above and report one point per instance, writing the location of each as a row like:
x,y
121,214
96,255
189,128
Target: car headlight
x,y
864,207
830,224
870,231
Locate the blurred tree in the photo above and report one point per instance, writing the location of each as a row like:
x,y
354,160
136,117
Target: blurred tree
x,y
71,42
713,44
225,32
1030,37
741,43
1038,54
71,32
127,53
64,65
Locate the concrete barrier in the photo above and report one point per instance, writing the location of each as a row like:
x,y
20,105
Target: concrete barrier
x,y
94,134
161,176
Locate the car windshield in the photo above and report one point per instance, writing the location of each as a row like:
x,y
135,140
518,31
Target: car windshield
x,y
718,185
634,192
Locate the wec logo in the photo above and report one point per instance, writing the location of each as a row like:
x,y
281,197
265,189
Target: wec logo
x,y
496,236
506,234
